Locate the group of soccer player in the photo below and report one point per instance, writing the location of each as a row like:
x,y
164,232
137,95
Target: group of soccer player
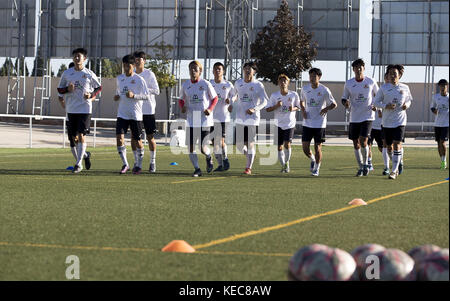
x,y
376,113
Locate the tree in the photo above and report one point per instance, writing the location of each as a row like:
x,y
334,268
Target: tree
x,y
20,62
61,70
159,63
7,65
110,68
283,48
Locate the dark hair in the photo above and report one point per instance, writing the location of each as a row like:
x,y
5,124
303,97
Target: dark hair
x,y
317,71
399,68
443,82
357,63
72,64
252,65
140,54
80,50
219,64
128,59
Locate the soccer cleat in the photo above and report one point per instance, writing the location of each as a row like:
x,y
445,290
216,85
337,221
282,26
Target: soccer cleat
x,y
365,171
443,165
87,160
219,168
124,169
226,164
385,171
209,164
197,173
311,167
315,173
152,168
370,167
359,173
400,168
286,168
248,171
393,175
77,169
136,170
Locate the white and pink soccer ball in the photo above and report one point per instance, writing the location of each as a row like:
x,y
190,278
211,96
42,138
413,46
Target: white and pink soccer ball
x,y
394,265
321,263
433,267
361,255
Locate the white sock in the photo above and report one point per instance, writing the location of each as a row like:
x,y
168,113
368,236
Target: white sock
x,y
287,154
244,150
317,166
194,160
122,150
312,158
81,150
385,157
365,155
74,152
140,157
225,151
153,156
402,155
396,159
250,157
281,157
444,158
135,156
390,155
358,156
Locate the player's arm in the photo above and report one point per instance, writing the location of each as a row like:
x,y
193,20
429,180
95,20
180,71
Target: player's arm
x,y
302,105
273,104
153,86
261,96
182,102
296,105
345,97
117,96
332,104
408,100
433,106
62,102
213,99
379,100
64,87
143,94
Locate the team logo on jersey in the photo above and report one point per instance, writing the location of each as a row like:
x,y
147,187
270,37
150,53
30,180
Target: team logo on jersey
x,y
251,89
402,92
224,88
124,90
77,85
133,81
84,76
201,88
319,94
313,103
366,86
395,101
195,97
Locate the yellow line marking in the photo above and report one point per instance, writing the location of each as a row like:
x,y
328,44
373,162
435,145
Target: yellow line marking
x,y
305,219
201,180
94,248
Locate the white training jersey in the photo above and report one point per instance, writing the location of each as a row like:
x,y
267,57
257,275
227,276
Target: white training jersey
x,y
224,90
316,100
250,96
197,98
398,95
376,124
85,81
149,104
284,118
360,94
131,108
441,104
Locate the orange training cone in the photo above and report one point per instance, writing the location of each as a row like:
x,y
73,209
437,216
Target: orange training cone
x,y
357,202
179,246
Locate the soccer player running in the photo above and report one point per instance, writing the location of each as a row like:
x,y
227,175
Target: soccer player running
x,y
440,108
252,98
315,102
284,103
226,95
149,105
358,98
394,98
198,100
77,89
131,92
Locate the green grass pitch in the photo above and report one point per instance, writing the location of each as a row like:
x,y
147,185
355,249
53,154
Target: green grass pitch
x,y
117,225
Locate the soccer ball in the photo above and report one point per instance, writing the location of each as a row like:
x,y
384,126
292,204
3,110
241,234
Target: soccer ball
x,y
419,253
395,265
433,267
360,255
321,263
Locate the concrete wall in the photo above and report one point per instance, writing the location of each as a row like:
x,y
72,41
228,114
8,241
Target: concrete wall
x,y
107,107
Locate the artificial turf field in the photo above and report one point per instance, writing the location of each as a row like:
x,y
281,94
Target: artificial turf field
x,y
117,224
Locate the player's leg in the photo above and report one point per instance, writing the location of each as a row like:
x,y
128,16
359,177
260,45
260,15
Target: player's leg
x,y
287,154
306,142
281,155
251,147
72,139
217,145
204,138
137,145
83,122
121,130
353,134
192,136
318,155
226,162
150,130
365,154
397,137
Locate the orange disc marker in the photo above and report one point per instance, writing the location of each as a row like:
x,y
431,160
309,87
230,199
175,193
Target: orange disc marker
x,y
179,246
357,202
